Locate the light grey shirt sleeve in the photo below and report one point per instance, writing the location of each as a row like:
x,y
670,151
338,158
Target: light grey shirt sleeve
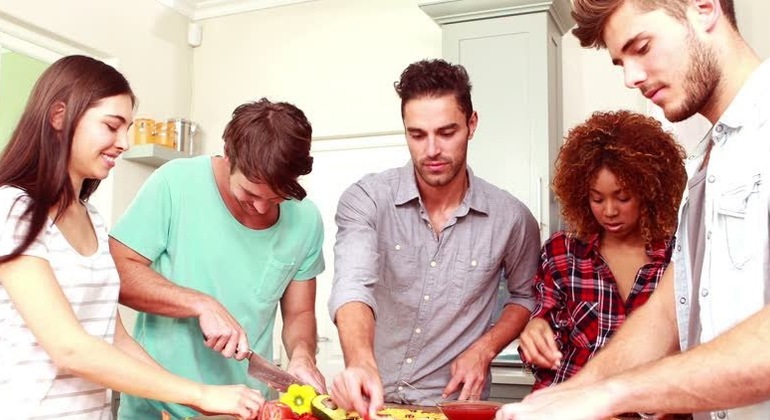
x,y
356,259
522,258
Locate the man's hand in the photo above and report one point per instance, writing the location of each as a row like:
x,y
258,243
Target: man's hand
x,y
306,370
469,369
221,332
539,346
359,389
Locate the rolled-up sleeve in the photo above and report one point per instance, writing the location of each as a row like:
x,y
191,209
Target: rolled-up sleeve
x,y
521,259
356,257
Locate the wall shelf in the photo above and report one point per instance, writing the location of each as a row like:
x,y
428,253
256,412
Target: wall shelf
x,y
152,154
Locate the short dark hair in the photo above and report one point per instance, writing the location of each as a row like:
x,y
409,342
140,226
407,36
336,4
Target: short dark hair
x,y
269,142
433,78
591,16
646,160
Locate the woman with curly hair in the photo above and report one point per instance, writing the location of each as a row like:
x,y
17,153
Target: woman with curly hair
x,y
619,179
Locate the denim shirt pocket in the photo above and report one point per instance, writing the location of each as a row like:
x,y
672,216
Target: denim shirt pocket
x,y
735,214
400,268
470,277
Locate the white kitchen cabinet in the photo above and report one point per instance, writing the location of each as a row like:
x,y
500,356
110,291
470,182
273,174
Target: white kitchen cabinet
x,y
512,51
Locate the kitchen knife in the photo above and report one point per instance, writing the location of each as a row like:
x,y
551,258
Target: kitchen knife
x,y
270,374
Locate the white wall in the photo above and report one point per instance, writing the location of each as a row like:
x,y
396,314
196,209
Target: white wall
x,y
335,59
147,41
753,16
591,83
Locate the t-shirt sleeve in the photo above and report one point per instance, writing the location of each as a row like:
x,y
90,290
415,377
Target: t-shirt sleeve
x,y
144,227
14,226
314,263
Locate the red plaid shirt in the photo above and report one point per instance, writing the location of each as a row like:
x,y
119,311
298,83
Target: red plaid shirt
x,y
579,298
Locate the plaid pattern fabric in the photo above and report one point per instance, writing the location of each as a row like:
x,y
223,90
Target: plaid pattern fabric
x,y
578,296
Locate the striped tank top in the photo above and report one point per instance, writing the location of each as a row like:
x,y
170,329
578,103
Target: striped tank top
x,y
31,386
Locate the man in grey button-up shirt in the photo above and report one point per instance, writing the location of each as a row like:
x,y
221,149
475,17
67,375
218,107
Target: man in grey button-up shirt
x,y
419,256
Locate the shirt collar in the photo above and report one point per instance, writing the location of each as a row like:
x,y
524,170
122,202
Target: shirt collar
x,y
474,198
746,107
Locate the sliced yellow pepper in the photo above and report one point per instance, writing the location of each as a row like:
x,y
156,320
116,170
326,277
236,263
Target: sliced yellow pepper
x,y
299,397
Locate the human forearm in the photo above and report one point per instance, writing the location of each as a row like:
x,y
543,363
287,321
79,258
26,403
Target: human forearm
x,y
128,345
732,370
95,360
512,321
355,323
145,290
299,336
632,345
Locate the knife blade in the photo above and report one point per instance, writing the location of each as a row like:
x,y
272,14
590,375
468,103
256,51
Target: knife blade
x,y
270,374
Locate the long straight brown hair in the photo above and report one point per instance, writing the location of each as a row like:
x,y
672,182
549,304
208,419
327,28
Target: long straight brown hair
x,y
37,157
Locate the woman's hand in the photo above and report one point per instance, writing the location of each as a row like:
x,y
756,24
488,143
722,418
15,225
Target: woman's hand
x,y
236,400
539,346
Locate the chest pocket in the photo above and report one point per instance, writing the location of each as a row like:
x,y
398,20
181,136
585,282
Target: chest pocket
x,y
399,264
276,276
583,324
738,212
471,278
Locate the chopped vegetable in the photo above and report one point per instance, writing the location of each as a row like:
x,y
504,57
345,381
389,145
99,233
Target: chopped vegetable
x,y
299,397
274,410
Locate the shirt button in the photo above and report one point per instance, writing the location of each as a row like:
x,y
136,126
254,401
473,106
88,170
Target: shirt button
x,y
722,415
433,264
398,247
409,361
708,235
712,178
682,300
417,330
401,388
426,297
704,292
474,263
679,248
720,128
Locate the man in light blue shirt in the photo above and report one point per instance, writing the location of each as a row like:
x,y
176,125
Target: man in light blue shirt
x,y
700,344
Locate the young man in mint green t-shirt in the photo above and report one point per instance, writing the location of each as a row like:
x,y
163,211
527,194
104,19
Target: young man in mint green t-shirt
x,y
211,245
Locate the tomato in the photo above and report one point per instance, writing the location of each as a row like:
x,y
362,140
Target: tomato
x,y
274,410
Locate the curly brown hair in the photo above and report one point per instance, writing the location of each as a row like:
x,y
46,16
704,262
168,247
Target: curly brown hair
x,y
591,15
647,161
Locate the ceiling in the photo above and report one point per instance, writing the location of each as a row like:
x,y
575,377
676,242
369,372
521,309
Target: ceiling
x,y
205,9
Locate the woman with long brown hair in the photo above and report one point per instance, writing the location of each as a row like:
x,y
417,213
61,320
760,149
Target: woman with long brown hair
x,y
62,343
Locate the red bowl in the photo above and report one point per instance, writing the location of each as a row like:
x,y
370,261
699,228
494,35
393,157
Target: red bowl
x,y
469,410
